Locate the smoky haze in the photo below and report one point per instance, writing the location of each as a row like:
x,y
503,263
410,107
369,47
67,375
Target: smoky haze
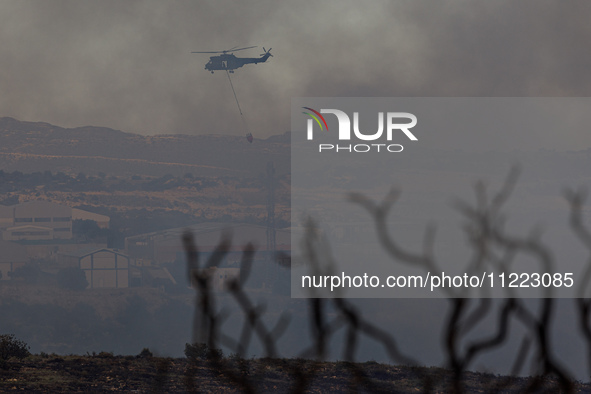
x,y
128,65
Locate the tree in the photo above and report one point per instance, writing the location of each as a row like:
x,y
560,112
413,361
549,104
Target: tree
x,y
72,278
88,230
12,347
29,273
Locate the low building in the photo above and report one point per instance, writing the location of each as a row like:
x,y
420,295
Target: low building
x,y
157,277
103,267
164,246
101,220
28,233
50,250
6,216
267,271
37,220
42,220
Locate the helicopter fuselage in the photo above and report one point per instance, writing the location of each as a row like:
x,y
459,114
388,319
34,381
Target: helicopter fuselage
x,y
230,62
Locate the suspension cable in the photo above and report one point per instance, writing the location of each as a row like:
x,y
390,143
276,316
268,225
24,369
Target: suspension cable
x,y
246,130
237,103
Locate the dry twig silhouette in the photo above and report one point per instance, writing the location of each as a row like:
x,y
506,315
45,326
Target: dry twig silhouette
x,y
491,244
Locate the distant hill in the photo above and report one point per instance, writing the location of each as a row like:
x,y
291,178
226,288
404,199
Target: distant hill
x,y
38,146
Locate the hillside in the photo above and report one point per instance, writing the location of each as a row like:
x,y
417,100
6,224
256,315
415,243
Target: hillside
x,y
104,372
38,146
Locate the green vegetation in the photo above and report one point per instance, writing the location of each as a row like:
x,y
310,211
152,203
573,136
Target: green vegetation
x,y
28,273
10,347
97,323
139,204
89,231
72,278
17,181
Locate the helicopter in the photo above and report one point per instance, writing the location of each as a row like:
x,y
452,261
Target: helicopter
x,y
227,60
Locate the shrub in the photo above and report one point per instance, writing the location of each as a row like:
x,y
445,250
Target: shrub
x,y
200,351
72,278
145,353
12,347
29,273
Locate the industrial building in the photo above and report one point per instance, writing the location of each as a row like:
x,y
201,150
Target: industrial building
x,y
162,247
36,220
103,267
42,221
102,221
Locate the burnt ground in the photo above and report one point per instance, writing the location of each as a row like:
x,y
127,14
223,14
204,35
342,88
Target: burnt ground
x,y
107,373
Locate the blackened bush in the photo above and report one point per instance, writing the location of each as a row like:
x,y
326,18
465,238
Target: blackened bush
x,y
12,347
200,351
145,353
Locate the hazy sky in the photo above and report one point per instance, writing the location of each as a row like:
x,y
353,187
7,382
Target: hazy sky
x,y
127,64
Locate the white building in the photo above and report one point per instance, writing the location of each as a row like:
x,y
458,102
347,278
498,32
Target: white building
x,y
42,220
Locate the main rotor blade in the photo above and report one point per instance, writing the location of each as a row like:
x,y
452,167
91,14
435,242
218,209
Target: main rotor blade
x,y
226,51
239,49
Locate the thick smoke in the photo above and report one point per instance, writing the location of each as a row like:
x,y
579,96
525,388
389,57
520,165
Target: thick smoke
x,y
127,65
